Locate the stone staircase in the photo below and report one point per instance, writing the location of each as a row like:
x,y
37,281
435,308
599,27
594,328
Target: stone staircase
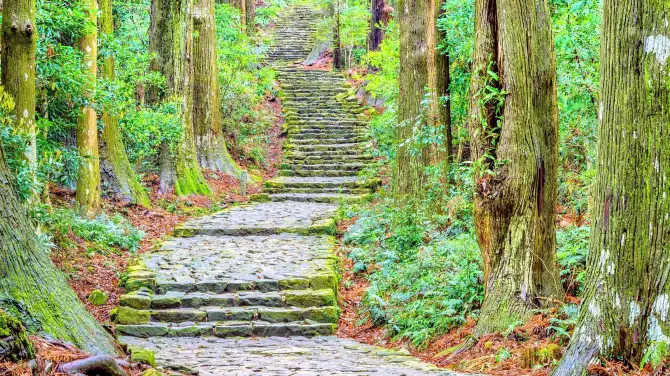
x,y
253,289
327,145
259,270
294,33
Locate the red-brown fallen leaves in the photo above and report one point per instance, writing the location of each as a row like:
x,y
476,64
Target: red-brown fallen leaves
x,y
50,354
530,349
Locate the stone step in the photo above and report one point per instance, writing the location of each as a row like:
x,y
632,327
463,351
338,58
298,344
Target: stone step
x,y
328,314
353,147
265,219
227,329
308,173
320,182
331,139
338,190
328,154
326,166
296,158
316,197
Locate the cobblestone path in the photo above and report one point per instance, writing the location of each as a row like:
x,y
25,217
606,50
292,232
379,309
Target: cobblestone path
x,y
253,290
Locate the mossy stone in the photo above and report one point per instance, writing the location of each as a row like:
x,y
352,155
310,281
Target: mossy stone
x,y
152,372
131,316
135,301
98,297
319,298
14,343
323,314
142,355
293,284
323,281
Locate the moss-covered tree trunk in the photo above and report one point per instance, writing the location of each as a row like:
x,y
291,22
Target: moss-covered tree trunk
x,y
19,38
380,16
424,80
209,138
117,173
88,180
625,305
250,15
31,288
171,40
514,133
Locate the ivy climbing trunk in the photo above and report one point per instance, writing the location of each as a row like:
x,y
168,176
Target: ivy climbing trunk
x,y
19,38
625,304
209,138
31,288
88,179
117,173
514,133
424,80
170,40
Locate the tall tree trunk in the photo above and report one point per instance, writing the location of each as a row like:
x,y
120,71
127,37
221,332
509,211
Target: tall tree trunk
x,y
337,42
625,304
88,180
209,138
250,15
170,39
31,288
514,132
118,174
380,16
424,79
19,38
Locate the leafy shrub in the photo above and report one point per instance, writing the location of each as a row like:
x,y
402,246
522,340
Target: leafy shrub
x,y
571,252
424,280
244,84
103,233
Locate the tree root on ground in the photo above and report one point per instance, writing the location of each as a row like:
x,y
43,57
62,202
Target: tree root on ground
x,y
102,365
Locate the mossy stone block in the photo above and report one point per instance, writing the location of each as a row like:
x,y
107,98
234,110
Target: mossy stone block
x,y
98,297
142,355
323,314
136,301
308,298
131,316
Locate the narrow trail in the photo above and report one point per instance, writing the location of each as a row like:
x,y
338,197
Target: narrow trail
x,y
253,290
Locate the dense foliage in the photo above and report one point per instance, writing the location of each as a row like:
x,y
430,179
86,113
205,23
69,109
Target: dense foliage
x,y
423,264
61,90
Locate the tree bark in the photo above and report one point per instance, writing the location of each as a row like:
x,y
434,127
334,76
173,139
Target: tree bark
x,y
31,288
209,138
514,133
625,304
117,174
337,42
19,38
380,16
88,180
250,15
424,79
170,40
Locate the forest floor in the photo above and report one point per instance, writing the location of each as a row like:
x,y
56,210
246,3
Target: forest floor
x,y
530,349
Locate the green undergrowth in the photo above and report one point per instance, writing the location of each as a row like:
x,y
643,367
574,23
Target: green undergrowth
x,y
102,234
423,264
